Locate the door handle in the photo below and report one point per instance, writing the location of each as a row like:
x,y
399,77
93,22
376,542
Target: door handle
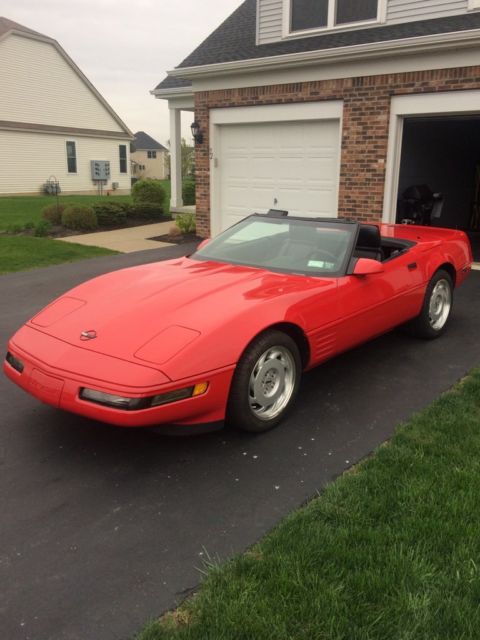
x,y
412,266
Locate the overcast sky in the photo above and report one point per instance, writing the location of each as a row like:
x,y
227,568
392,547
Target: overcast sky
x,y
124,47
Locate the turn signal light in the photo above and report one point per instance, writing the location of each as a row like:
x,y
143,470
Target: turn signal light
x,y
200,389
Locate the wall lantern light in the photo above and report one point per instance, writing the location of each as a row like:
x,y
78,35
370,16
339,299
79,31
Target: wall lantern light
x,y
197,135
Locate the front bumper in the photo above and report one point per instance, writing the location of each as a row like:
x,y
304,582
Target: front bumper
x,y
45,378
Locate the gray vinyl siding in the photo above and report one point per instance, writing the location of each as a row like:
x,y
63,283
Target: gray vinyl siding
x,y
409,10
270,14
269,20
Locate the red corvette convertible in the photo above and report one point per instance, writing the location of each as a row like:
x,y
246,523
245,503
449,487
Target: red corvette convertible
x,y
224,334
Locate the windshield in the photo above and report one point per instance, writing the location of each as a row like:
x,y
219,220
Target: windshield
x,y
290,245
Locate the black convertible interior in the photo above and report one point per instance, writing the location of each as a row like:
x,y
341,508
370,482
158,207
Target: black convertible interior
x,y
371,245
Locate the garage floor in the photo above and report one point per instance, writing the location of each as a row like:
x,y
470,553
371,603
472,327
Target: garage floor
x,y
104,528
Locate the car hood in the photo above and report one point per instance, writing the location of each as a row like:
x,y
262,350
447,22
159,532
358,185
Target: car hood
x,y
153,312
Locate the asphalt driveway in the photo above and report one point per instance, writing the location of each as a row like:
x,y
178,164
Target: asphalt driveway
x,y
102,529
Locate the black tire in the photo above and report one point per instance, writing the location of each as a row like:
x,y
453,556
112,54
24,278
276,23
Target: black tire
x,y
427,325
276,381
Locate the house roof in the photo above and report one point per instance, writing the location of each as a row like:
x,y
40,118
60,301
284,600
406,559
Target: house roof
x,y
235,39
7,25
144,142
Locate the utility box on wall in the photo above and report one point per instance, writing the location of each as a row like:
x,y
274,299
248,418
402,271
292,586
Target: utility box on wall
x,y
100,169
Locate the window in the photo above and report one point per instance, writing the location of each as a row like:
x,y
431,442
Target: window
x,y
323,14
71,157
122,148
152,154
347,11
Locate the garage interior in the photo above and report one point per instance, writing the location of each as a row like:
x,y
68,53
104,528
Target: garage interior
x,y
444,154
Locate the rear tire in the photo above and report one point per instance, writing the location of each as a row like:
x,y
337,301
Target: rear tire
x,y
437,306
265,383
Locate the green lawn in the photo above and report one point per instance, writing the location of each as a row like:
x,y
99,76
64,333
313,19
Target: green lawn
x,y
23,209
18,253
390,551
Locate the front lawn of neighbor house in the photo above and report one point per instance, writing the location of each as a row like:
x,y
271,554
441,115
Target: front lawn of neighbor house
x,y
390,551
23,209
20,250
19,253
19,210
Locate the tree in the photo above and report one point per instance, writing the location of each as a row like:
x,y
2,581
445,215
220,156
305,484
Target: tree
x,y
188,159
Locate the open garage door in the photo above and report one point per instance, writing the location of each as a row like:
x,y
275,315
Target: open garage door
x,y
443,154
283,165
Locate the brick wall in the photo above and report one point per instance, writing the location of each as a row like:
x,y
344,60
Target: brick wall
x,y
365,128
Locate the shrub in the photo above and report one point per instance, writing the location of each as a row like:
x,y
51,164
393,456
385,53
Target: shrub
x,y
145,210
79,217
29,225
188,192
42,228
52,213
110,213
186,223
14,228
148,190
174,231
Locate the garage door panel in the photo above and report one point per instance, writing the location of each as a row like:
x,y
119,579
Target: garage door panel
x,y
285,165
236,196
261,168
320,170
262,198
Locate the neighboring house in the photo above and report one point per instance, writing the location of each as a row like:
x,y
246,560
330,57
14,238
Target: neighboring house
x,y
149,157
53,122
333,108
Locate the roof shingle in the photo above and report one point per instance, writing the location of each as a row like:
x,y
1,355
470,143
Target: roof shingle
x,y
144,142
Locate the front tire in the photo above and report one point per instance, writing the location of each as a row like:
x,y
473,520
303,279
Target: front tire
x,y
437,306
265,383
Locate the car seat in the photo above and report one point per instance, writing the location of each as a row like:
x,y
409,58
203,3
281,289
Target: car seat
x,y
369,243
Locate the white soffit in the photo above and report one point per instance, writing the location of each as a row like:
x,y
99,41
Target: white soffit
x,y
354,68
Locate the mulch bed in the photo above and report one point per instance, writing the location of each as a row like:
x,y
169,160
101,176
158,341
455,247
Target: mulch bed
x,y
181,238
57,231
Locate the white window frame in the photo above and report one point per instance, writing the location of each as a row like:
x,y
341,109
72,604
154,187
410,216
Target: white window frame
x,y
331,26
449,103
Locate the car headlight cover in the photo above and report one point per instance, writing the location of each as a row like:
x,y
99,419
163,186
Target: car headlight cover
x,y
110,400
15,362
136,404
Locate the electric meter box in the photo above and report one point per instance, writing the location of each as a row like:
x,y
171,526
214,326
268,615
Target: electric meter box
x,y
100,169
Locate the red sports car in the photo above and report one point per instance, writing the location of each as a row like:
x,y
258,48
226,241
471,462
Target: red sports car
x,y
224,334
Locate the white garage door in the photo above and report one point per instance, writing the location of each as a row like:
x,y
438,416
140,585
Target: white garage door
x,y
280,165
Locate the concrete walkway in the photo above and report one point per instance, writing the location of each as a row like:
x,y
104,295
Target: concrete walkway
x,y
125,240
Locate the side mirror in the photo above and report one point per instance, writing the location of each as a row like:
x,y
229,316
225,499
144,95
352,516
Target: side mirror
x,y
203,243
367,267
